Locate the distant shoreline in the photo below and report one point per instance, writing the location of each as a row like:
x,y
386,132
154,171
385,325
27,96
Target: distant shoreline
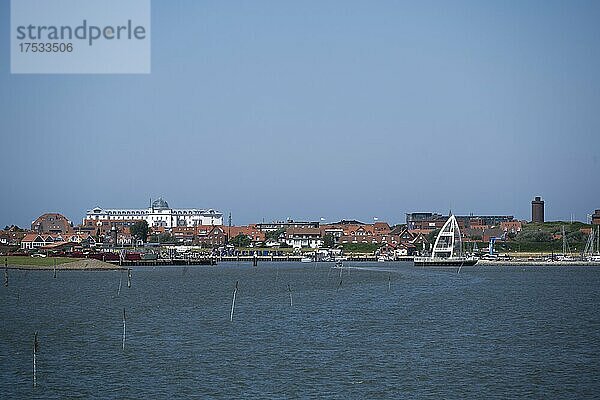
x,y
90,264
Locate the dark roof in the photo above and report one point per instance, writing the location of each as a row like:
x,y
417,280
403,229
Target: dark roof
x,y
348,222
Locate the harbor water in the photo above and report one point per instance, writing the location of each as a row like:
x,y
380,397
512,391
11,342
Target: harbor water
x,y
378,330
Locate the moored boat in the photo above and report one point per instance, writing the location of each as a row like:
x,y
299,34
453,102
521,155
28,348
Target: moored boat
x,y
447,251
445,262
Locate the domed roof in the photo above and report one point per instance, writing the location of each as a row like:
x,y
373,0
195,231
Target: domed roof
x,y
160,203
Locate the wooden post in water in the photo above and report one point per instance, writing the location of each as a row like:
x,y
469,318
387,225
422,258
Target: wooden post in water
x,y
54,268
5,272
128,277
35,350
389,281
120,283
233,301
290,290
124,319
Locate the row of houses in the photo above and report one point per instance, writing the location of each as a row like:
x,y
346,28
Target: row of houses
x,y
378,233
52,228
36,241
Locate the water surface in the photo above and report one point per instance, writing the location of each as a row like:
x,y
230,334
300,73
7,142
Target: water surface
x,y
378,331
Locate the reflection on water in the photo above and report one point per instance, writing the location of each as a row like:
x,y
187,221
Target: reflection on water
x,y
389,331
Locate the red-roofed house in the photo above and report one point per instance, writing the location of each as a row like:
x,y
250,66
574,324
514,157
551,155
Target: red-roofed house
x,y
33,241
255,235
51,223
213,237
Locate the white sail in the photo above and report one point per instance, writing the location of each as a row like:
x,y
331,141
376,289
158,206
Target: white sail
x,y
447,250
449,242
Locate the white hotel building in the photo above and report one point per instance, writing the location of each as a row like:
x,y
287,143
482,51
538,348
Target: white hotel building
x,y
159,214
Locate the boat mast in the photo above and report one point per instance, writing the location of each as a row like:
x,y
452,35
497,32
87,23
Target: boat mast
x,y
589,245
564,238
597,240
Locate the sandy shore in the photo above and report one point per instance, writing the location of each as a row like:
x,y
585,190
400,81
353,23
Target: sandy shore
x,y
83,265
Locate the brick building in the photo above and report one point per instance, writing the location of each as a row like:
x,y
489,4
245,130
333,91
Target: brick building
x,y
51,223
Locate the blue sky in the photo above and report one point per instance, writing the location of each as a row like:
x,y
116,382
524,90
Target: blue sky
x,y
332,109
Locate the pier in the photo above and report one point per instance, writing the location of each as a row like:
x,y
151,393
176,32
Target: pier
x,y
516,263
213,260
165,261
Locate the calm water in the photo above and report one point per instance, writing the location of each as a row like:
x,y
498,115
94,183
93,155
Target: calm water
x,y
486,332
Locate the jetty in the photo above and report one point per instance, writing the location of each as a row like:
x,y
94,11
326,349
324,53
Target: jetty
x,y
538,263
164,262
214,260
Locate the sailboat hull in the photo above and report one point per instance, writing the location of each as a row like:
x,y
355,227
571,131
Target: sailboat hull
x,y
444,262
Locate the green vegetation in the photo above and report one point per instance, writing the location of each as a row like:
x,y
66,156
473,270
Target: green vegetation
x,y
328,241
162,238
540,238
275,234
241,240
431,236
554,246
139,230
37,261
365,248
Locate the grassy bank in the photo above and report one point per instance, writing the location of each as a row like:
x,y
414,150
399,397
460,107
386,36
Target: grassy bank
x,y
37,261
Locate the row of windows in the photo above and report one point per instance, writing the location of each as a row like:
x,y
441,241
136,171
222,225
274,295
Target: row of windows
x,y
142,212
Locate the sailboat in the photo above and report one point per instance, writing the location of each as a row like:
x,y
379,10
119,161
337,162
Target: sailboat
x,y
566,250
447,250
593,241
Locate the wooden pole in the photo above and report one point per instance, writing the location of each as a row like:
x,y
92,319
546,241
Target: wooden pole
x,y
35,350
290,290
124,319
233,301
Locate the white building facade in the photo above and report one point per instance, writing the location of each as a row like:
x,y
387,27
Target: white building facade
x,y
159,214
